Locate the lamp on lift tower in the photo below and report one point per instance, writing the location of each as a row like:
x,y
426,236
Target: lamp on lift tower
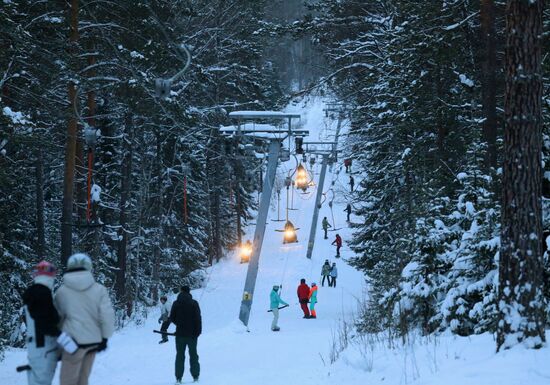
x,y
301,181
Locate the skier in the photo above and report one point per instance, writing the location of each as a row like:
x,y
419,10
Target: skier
x,y
351,182
338,242
348,211
87,316
313,300
333,275
186,315
303,297
325,272
41,320
164,318
275,301
325,225
347,163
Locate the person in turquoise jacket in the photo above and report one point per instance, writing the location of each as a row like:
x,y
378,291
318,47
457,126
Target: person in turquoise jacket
x,y
276,301
312,300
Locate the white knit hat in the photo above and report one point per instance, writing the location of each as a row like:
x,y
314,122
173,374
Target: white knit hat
x,y
79,261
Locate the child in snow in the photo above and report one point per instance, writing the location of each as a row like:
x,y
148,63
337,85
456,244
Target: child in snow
x,y
41,319
276,301
164,318
325,225
303,296
313,300
325,273
333,275
338,242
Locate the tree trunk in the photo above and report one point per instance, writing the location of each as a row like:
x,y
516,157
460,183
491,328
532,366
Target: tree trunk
x,y
126,186
40,233
488,80
70,150
157,248
520,292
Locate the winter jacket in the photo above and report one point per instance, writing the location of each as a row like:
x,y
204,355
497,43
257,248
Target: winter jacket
x,y
85,308
325,270
348,209
41,315
338,241
164,312
334,272
303,292
276,300
186,315
313,295
325,224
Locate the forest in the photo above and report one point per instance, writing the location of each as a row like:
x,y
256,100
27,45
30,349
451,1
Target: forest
x,y
91,159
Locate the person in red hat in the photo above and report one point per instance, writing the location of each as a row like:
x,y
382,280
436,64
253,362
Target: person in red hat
x,y
41,319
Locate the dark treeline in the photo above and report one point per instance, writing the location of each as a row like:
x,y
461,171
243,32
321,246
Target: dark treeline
x,y
150,153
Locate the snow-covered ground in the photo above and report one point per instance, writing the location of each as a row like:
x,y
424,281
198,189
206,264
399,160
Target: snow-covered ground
x,y
300,353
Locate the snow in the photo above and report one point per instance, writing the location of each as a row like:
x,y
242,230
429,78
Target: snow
x,y
465,80
302,352
15,116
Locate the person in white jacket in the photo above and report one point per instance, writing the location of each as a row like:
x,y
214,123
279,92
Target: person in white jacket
x,y
87,316
164,318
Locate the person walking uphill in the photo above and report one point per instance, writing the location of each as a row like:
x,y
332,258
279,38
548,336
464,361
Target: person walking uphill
x,y
351,183
164,318
41,319
325,273
325,225
87,316
348,211
303,296
275,301
333,275
186,315
338,242
313,300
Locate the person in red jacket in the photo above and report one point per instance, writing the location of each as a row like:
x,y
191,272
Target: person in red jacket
x,y
338,243
303,297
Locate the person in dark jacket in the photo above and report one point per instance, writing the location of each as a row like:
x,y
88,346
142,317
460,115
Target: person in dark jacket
x,y
348,211
303,297
41,319
186,315
351,183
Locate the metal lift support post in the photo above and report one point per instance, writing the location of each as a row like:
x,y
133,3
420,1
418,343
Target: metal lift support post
x,y
252,273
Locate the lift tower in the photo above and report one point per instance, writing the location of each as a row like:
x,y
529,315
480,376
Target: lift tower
x,y
274,135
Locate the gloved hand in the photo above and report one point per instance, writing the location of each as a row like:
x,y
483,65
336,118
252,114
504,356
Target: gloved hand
x,y
160,320
103,345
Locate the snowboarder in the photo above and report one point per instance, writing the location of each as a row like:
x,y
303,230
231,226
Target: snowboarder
x,y
338,242
164,318
275,301
351,182
348,211
325,225
333,275
325,272
41,319
87,316
313,300
347,163
186,315
303,297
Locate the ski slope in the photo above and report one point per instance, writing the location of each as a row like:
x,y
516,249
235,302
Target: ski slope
x,y
300,353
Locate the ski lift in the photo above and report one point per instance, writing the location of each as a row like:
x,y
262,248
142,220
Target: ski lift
x,y
249,149
163,86
312,161
299,143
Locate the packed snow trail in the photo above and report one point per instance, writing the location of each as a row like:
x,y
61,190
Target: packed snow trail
x,y
298,354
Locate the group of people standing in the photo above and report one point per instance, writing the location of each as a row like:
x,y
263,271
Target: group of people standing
x,y
72,325
330,273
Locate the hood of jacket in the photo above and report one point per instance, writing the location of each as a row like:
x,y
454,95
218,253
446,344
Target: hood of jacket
x,y
78,280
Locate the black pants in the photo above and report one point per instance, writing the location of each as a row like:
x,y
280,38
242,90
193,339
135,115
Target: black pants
x,y
338,251
325,230
348,216
332,282
181,344
164,328
323,280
